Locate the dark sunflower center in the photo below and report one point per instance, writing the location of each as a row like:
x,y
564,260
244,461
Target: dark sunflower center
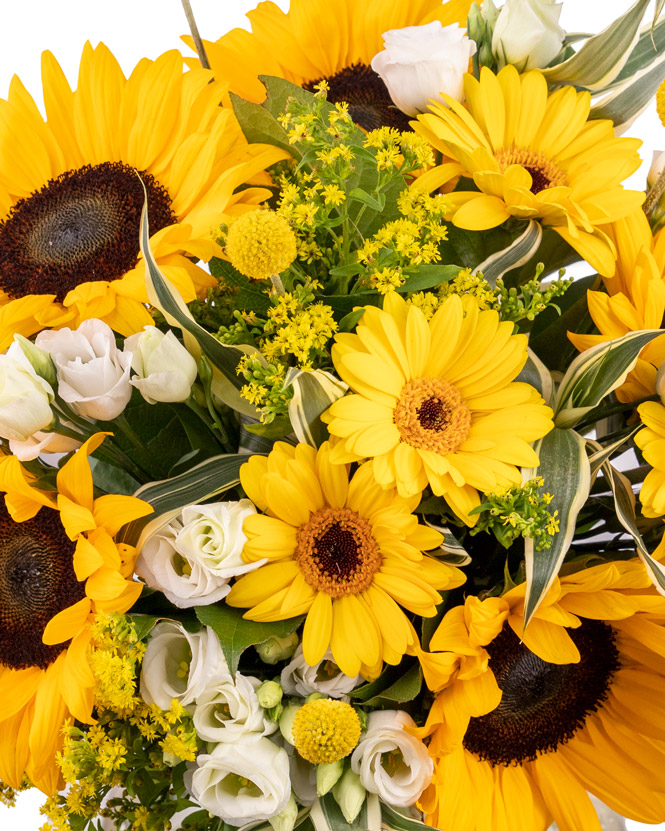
x,y
540,180
370,104
337,551
433,415
82,226
37,581
543,705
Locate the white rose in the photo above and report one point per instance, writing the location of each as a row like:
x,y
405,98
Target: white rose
x,y
227,710
298,677
420,62
180,664
165,368
219,782
25,397
192,559
527,33
93,375
386,740
39,443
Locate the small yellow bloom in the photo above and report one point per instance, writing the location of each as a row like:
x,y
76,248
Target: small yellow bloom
x,y
325,730
261,244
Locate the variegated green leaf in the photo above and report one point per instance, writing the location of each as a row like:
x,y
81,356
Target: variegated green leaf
x,y
565,468
538,375
326,815
602,56
515,255
602,454
595,373
313,392
650,46
395,820
630,99
169,496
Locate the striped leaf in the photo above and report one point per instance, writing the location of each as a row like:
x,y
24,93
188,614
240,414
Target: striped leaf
x,y
395,820
595,373
622,105
538,375
519,252
326,815
601,58
650,46
313,392
602,454
565,468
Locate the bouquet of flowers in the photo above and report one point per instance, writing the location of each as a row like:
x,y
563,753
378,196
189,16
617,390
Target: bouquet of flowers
x,y
330,501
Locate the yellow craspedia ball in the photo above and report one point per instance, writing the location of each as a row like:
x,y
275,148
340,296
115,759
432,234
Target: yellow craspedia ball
x,y
660,103
261,244
325,730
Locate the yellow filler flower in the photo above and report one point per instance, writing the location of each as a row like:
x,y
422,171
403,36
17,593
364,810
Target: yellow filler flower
x,y
71,201
343,552
435,402
321,41
59,567
526,721
532,155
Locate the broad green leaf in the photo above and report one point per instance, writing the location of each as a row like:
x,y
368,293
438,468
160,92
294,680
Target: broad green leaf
x,y
395,820
376,204
112,479
248,296
143,624
313,392
519,252
235,633
538,375
595,373
621,105
422,277
404,689
603,454
395,678
649,47
565,468
601,58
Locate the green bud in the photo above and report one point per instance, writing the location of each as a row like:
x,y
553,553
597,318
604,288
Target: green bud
x,y
286,819
362,718
327,776
205,371
286,722
315,696
274,713
40,360
475,25
349,795
490,14
277,649
269,694
485,55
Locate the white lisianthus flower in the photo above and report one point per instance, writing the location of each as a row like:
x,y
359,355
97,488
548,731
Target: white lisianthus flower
x,y
420,62
165,369
193,558
228,709
298,677
25,397
391,762
41,442
180,664
93,375
527,33
243,782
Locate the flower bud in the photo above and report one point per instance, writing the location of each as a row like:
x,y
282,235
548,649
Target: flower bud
x,y
286,722
328,775
269,694
286,819
25,397
165,369
527,33
277,649
349,795
40,360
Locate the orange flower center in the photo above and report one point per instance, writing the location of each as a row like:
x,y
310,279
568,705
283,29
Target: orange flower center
x,y
432,415
544,173
337,552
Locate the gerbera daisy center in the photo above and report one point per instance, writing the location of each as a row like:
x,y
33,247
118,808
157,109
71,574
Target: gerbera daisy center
x,y
432,415
337,552
543,705
370,104
37,581
543,171
81,226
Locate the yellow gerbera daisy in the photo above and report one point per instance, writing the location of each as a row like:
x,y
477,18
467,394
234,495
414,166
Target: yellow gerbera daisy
x,y
59,567
70,199
317,40
651,441
532,155
343,552
527,721
435,401
635,299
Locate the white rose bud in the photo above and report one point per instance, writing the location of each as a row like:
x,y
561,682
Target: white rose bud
x,y
299,678
180,664
165,369
244,782
227,710
349,795
527,33
25,397
93,375
391,762
420,62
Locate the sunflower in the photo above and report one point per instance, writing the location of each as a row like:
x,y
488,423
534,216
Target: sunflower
x,y
435,402
59,567
532,155
634,299
526,721
318,40
71,200
343,552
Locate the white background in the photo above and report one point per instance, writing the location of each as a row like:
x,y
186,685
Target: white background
x,y
145,28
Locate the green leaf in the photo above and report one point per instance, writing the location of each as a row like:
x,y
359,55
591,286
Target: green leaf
x,y
422,277
235,633
143,624
519,252
112,479
349,322
393,683
404,689
313,392
538,375
361,195
595,373
248,296
276,429
633,96
327,815
565,468
650,45
395,820
603,454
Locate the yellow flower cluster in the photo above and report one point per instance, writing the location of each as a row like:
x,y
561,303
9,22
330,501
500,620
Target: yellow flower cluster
x,y
297,330
114,656
473,284
395,148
